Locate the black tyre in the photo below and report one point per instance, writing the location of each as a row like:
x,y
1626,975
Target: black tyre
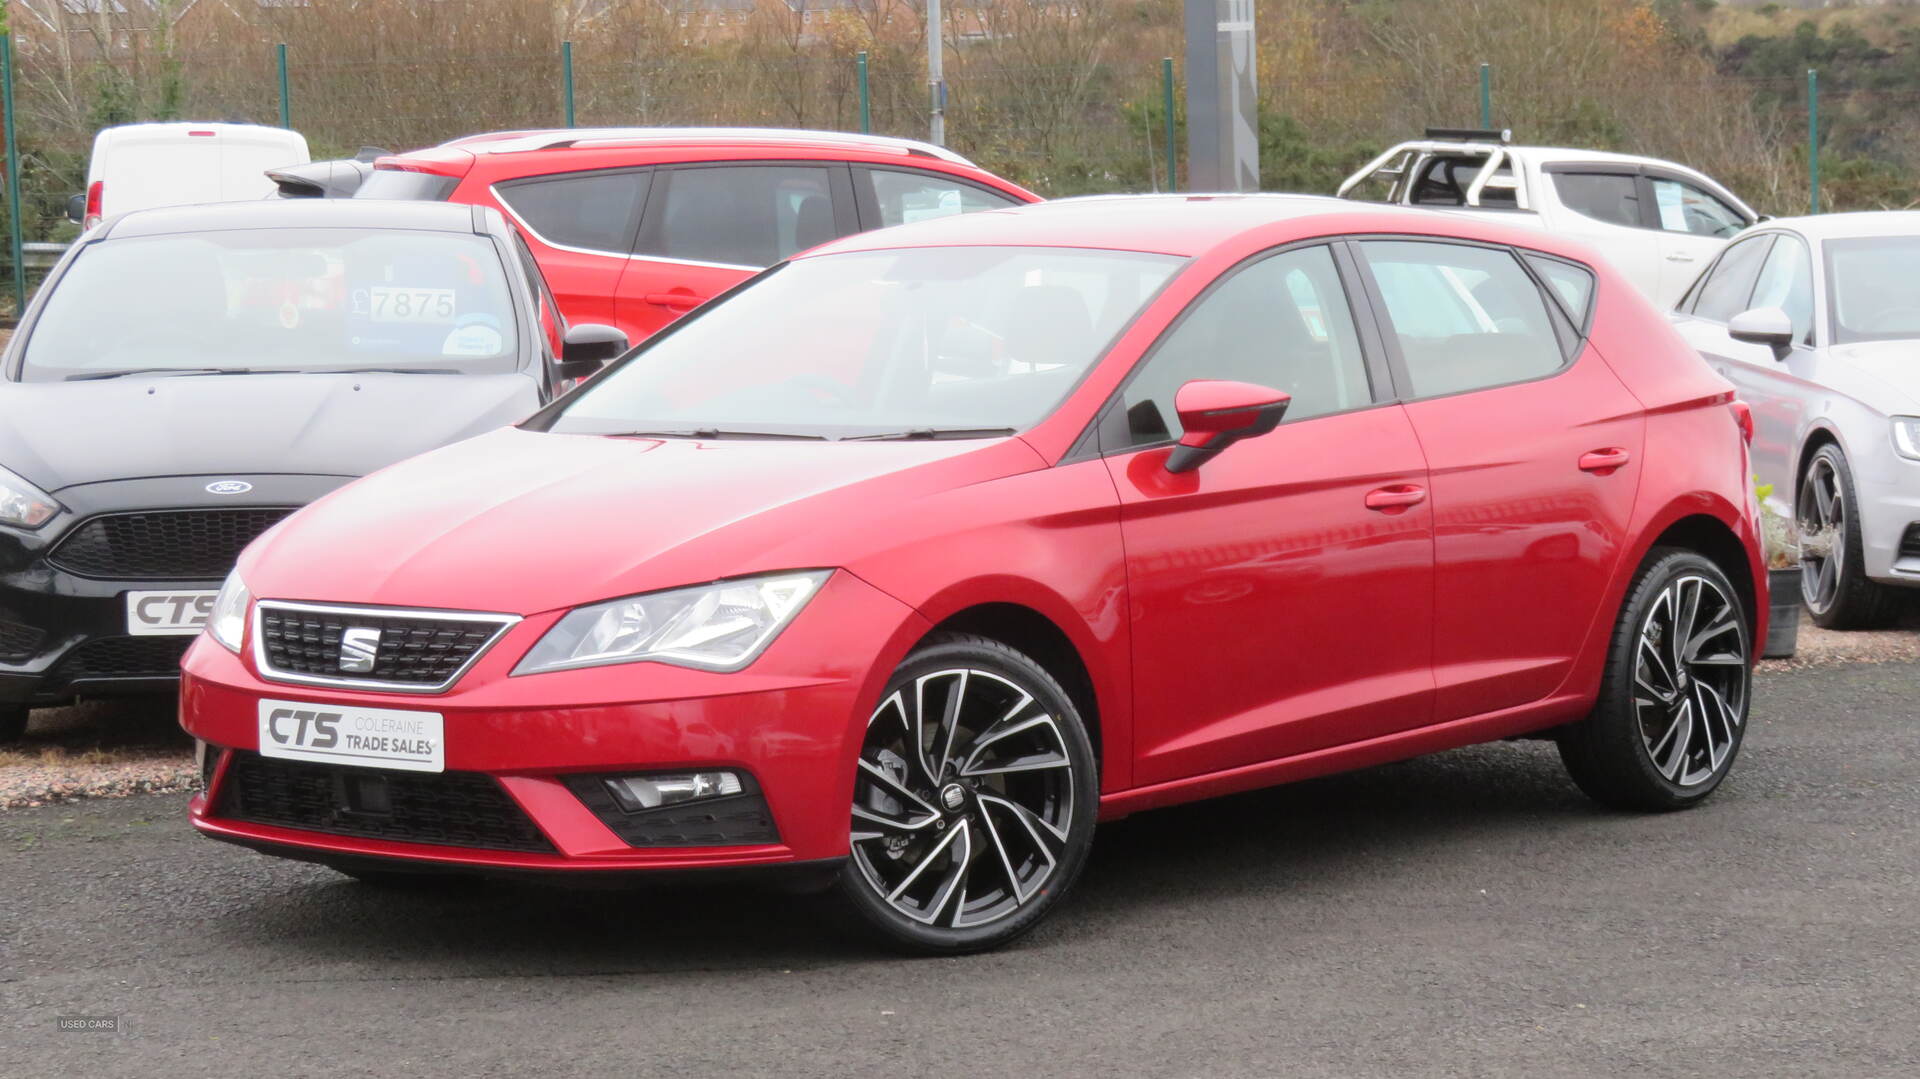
x,y
13,723
1833,579
973,803
1672,710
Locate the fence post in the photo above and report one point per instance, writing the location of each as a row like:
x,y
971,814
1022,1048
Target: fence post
x,y
866,97
1813,138
936,75
14,226
1166,104
1486,97
286,100
566,76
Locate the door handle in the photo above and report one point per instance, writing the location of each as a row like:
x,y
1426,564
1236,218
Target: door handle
x,y
1603,461
1396,498
679,301
1679,256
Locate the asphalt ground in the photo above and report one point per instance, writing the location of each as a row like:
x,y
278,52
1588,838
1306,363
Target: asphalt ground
x,y
1464,914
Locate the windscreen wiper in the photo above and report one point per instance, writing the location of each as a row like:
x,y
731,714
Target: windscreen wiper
x,y
387,371
925,433
716,432
92,376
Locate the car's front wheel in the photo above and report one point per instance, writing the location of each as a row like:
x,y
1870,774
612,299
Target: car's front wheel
x,y
973,801
1833,578
1672,709
13,723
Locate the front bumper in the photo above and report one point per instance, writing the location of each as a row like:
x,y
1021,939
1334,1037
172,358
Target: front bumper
x,y
64,629
791,722
1889,490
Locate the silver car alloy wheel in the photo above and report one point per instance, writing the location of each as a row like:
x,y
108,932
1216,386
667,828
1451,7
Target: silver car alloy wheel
x,y
1821,510
1690,679
963,799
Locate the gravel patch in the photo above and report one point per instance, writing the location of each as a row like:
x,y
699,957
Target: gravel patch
x,y
1818,647
99,749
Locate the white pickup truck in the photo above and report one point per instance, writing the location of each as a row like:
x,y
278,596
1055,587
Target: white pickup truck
x,y
1657,222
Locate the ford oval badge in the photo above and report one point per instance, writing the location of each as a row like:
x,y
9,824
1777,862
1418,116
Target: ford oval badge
x,y
229,487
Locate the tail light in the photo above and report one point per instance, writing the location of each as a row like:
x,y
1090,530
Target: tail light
x,y
96,192
1743,416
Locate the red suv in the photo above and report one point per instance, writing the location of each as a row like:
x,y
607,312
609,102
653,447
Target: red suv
x,y
634,227
914,557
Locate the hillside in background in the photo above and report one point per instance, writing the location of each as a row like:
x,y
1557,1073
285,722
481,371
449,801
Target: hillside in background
x,y
1064,97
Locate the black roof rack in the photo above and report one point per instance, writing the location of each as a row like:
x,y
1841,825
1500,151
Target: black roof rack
x,y
1471,134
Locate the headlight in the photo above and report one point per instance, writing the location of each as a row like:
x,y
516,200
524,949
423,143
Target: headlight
x,y
718,627
1906,436
23,505
228,622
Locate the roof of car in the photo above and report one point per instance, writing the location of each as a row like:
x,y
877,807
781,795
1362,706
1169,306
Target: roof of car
x,y
1843,226
293,214
1185,225
510,142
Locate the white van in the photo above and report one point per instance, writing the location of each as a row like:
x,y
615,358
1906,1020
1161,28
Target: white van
x,y
140,166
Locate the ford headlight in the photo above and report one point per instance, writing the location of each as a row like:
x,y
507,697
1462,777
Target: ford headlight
x,y
23,505
1906,436
718,627
228,622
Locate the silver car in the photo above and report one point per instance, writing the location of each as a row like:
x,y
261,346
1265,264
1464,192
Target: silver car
x,y
1817,321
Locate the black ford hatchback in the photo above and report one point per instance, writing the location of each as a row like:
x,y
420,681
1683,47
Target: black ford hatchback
x,y
188,376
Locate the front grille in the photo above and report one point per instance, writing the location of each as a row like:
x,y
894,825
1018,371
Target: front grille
x,y
418,651
163,544
17,641
123,657
733,821
451,809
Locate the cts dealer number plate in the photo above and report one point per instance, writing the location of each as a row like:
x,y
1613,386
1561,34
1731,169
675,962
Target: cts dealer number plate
x,y
345,734
168,614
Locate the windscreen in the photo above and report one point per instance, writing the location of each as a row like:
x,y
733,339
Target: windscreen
x,y
904,343
1873,285
278,299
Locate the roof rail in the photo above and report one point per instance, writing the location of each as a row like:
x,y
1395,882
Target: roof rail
x,y
560,138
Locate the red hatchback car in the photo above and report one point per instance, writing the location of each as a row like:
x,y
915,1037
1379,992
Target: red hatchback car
x,y
921,553
633,227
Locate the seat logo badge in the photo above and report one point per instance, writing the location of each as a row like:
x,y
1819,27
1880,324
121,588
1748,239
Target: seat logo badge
x,y
359,647
229,487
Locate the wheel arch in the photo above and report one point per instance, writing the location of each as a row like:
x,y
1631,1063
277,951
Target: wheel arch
x,y
1713,539
1821,434
1027,630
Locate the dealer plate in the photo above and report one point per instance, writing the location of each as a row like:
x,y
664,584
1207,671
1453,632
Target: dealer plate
x,y
168,614
345,734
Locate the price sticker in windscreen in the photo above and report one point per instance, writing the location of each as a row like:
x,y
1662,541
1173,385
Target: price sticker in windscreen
x,y
395,304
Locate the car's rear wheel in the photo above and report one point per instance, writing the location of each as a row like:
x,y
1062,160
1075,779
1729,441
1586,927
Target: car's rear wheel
x,y
1833,579
973,801
1672,709
13,723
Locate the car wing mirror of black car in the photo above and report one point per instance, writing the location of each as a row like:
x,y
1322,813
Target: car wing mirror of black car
x,y
1215,415
77,207
587,348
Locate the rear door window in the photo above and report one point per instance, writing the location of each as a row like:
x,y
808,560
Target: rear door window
x,y
1571,284
1465,318
1729,284
1610,197
592,211
750,216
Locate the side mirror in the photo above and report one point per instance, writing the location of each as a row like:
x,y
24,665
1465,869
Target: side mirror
x,y
77,207
1767,326
587,348
1215,415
